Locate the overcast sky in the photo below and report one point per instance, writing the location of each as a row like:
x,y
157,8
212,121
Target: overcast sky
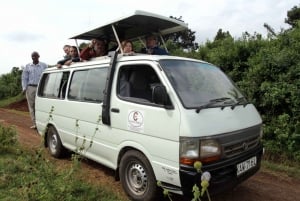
x,y
46,25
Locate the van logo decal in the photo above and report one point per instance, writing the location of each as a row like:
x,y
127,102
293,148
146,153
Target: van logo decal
x,y
135,121
245,146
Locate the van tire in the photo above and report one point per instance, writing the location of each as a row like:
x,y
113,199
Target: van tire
x,y
137,177
54,144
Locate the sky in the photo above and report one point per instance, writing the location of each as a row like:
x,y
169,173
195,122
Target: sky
x,y
45,26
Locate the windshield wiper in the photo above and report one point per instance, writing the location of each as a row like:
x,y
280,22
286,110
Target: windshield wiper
x,y
212,102
239,101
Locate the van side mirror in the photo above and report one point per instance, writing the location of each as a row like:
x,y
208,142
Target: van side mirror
x,y
160,96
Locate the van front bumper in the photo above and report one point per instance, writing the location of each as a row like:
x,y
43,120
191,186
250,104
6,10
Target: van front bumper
x,y
223,173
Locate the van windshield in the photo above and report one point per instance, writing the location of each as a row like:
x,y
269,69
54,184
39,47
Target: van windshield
x,y
201,84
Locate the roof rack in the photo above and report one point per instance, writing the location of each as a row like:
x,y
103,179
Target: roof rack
x,y
134,27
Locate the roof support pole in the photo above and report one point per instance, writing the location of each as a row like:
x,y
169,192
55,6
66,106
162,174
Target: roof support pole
x,y
78,51
142,42
117,37
163,41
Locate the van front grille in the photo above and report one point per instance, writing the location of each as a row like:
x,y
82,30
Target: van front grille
x,y
240,147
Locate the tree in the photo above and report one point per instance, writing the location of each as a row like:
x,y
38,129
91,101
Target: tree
x,y
184,39
10,83
271,31
293,16
222,35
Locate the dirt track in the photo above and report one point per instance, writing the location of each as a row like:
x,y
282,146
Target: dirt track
x,y
264,186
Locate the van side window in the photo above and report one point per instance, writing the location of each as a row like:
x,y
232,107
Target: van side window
x,y
53,85
63,85
135,82
88,85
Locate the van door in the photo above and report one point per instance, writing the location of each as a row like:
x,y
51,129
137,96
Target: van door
x,y
81,116
140,122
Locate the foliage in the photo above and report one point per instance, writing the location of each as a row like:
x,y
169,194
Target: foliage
x,y
10,83
10,100
290,168
8,138
184,39
292,16
275,73
28,175
222,35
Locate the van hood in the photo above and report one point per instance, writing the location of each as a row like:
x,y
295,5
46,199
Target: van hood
x,y
215,121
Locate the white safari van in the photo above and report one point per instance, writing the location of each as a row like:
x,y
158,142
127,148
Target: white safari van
x,y
150,117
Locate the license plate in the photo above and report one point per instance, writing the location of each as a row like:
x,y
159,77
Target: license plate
x,y
246,165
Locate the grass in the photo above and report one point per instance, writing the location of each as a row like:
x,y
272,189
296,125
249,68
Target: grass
x,y
27,175
7,101
281,164
292,170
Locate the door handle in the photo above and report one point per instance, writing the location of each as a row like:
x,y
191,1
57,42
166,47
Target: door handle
x,y
116,110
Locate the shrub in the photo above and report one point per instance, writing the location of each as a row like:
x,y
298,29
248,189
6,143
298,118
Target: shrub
x,y
8,139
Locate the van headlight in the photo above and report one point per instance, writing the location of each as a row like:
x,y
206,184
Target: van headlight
x,y
192,150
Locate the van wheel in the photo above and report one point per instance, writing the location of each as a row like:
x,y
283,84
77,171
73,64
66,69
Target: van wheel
x,y
54,144
137,177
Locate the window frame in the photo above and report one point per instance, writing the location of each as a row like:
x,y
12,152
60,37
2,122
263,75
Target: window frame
x,y
85,84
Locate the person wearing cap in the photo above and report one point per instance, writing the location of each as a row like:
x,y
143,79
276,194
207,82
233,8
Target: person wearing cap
x,y
30,78
152,46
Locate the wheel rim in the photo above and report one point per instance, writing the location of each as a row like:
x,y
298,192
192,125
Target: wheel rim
x,y
136,178
53,143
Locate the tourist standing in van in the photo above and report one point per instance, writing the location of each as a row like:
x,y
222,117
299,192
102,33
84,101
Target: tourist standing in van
x,y
67,55
127,47
74,57
30,78
66,49
152,46
96,48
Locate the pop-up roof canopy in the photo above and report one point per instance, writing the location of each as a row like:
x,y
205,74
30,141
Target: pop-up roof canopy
x,y
134,26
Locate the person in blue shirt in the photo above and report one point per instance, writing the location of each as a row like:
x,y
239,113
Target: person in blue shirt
x,y
152,46
30,78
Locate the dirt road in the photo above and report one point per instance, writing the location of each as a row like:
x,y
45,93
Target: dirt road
x,y
264,186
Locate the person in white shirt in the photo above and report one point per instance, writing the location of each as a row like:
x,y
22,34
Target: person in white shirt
x,y
30,78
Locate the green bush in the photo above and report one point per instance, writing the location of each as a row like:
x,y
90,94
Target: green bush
x,y
8,138
10,83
